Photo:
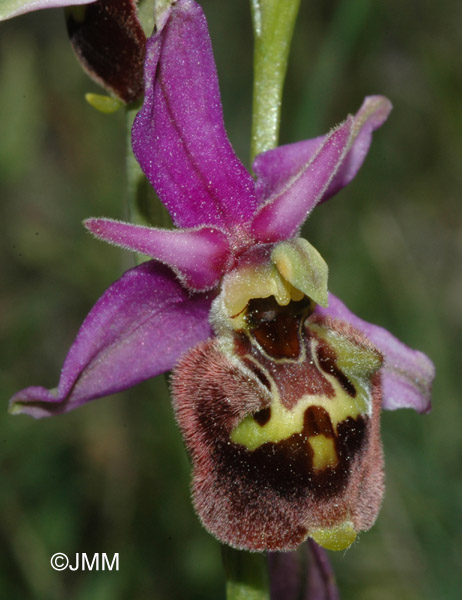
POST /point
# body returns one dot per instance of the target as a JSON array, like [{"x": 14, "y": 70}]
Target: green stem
[
  {"x": 273, "y": 24},
  {"x": 246, "y": 575}
]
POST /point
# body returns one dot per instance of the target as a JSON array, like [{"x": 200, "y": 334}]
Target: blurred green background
[{"x": 113, "y": 476}]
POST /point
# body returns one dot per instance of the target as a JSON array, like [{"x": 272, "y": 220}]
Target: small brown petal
[{"x": 110, "y": 44}]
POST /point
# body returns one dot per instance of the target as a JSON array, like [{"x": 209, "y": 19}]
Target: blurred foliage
[{"x": 113, "y": 477}]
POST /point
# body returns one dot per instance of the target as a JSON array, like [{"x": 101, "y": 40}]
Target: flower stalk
[
  {"x": 273, "y": 24},
  {"x": 246, "y": 575}
]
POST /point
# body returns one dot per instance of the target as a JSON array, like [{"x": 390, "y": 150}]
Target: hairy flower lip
[{"x": 267, "y": 492}]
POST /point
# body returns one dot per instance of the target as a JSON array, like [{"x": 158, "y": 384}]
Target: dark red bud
[{"x": 110, "y": 43}]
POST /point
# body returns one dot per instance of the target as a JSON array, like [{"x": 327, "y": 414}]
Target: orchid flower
[{"x": 277, "y": 386}]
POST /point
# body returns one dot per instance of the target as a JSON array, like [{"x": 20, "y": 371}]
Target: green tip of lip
[{"x": 339, "y": 537}]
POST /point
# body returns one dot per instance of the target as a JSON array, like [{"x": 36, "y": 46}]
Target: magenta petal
[
  {"x": 139, "y": 328},
  {"x": 304, "y": 574},
  {"x": 179, "y": 137},
  {"x": 372, "y": 115},
  {"x": 283, "y": 214},
  {"x": 407, "y": 374},
  {"x": 198, "y": 256},
  {"x": 275, "y": 168}
]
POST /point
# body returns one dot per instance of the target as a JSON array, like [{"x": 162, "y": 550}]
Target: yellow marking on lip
[{"x": 324, "y": 453}]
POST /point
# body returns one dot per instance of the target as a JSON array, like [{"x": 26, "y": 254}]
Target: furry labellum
[{"x": 281, "y": 417}]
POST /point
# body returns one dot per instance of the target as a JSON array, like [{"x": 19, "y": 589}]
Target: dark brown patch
[
  {"x": 257, "y": 372},
  {"x": 263, "y": 416},
  {"x": 327, "y": 362},
  {"x": 277, "y": 328},
  {"x": 317, "y": 421},
  {"x": 351, "y": 433}
]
